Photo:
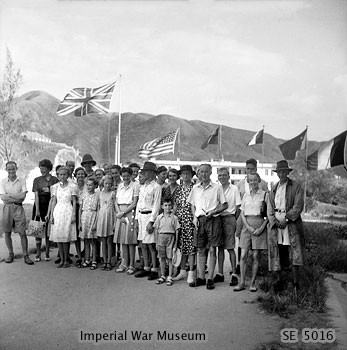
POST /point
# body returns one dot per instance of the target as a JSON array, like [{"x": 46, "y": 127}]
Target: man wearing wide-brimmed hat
[
  {"x": 147, "y": 211},
  {"x": 88, "y": 162},
  {"x": 285, "y": 238}
]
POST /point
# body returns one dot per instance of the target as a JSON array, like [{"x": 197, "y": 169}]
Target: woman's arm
[{"x": 37, "y": 201}]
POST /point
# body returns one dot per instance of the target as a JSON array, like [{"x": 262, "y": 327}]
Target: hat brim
[
  {"x": 276, "y": 170},
  {"x": 176, "y": 259},
  {"x": 89, "y": 161}
]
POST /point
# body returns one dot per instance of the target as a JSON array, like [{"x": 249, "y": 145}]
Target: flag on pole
[
  {"x": 330, "y": 154},
  {"x": 257, "y": 138},
  {"x": 212, "y": 139},
  {"x": 82, "y": 101},
  {"x": 290, "y": 147},
  {"x": 156, "y": 147}
]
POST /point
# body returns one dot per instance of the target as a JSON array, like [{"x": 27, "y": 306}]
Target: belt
[
  {"x": 280, "y": 211},
  {"x": 167, "y": 233},
  {"x": 19, "y": 204},
  {"x": 145, "y": 211}
]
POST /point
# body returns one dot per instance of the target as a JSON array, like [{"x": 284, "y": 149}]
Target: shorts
[
  {"x": 13, "y": 218},
  {"x": 228, "y": 229},
  {"x": 165, "y": 245},
  {"x": 143, "y": 235},
  {"x": 209, "y": 232},
  {"x": 250, "y": 241}
]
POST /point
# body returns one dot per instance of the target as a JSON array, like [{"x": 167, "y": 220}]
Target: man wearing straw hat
[{"x": 285, "y": 238}]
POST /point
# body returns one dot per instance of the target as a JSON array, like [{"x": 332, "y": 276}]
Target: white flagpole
[
  {"x": 220, "y": 143},
  {"x": 262, "y": 149},
  {"x": 179, "y": 145},
  {"x": 118, "y": 160},
  {"x": 306, "y": 151}
]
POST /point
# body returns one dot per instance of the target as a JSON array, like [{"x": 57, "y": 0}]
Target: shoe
[
  {"x": 153, "y": 275},
  {"x": 238, "y": 269},
  {"x": 253, "y": 289},
  {"x": 234, "y": 281},
  {"x": 181, "y": 276},
  {"x": 169, "y": 281},
  {"x": 210, "y": 285},
  {"x": 190, "y": 278},
  {"x": 143, "y": 273},
  {"x": 131, "y": 270},
  {"x": 47, "y": 258},
  {"x": 218, "y": 278},
  {"x": 58, "y": 261},
  {"x": 66, "y": 265},
  {"x": 199, "y": 282},
  {"x": 78, "y": 263},
  {"x": 10, "y": 258},
  {"x": 239, "y": 288},
  {"x": 69, "y": 260},
  {"x": 61, "y": 264},
  {"x": 86, "y": 264},
  {"x": 37, "y": 258},
  {"x": 122, "y": 268},
  {"x": 161, "y": 280},
  {"x": 27, "y": 260},
  {"x": 94, "y": 265}
]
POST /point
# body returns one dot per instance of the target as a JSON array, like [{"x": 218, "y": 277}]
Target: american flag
[
  {"x": 165, "y": 144},
  {"x": 83, "y": 101}
]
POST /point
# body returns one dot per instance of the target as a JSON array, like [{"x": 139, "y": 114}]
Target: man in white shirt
[{"x": 12, "y": 193}]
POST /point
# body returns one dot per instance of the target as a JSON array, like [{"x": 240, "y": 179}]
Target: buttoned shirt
[
  {"x": 149, "y": 199},
  {"x": 12, "y": 187},
  {"x": 126, "y": 193},
  {"x": 280, "y": 197},
  {"x": 232, "y": 196},
  {"x": 207, "y": 198},
  {"x": 167, "y": 224},
  {"x": 243, "y": 186},
  {"x": 252, "y": 205}
]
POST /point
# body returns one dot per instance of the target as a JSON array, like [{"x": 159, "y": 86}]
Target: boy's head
[
  {"x": 167, "y": 205},
  {"x": 92, "y": 184}
]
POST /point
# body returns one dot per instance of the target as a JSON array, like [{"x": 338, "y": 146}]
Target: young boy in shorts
[{"x": 166, "y": 228}]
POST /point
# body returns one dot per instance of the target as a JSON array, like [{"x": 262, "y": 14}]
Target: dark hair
[
  {"x": 57, "y": 168},
  {"x": 78, "y": 169},
  {"x": 116, "y": 166},
  {"x": 99, "y": 169},
  {"x": 46, "y": 163},
  {"x": 161, "y": 169},
  {"x": 134, "y": 165},
  {"x": 252, "y": 161},
  {"x": 175, "y": 171},
  {"x": 127, "y": 170},
  {"x": 95, "y": 181},
  {"x": 11, "y": 162},
  {"x": 166, "y": 199}
]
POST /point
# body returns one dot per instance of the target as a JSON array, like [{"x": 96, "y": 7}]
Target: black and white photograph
[{"x": 173, "y": 174}]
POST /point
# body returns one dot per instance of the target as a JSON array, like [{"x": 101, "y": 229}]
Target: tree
[{"x": 10, "y": 125}]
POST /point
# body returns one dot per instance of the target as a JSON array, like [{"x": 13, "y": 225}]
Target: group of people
[{"x": 159, "y": 212}]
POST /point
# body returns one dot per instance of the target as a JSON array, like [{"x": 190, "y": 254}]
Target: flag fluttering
[
  {"x": 82, "y": 101},
  {"x": 212, "y": 139},
  {"x": 257, "y": 138},
  {"x": 290, "y": 147},
  {"x": 330, "y": 154},
  {"x": 156, "y": 147}
]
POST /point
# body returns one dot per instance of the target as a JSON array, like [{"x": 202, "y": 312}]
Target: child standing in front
[
  {"x": 89, "y": 204},
  {"x": 166, "y": 228},
  {"x": 106, "y": 219}
]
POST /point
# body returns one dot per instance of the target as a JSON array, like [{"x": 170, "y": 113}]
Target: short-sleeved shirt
[
  {"x": 232, "y": 196},
  {"x": 12, "y": 187},
  {"x": 206, "y": 198},
  {"x": 252, "y": 205},
  {"x": 166, "y": 224},
  {"x": 43, "y": 186},
  {"x": 149, "y": 199},
  {"x": 125, "y": 193},
  {"x": 243, "y": 186},
  {"x": 280, "y": 197}
]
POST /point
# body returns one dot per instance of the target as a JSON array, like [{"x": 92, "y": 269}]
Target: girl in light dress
[
  {"x": 63, "y": 215},
  {"x": 105, "y": 223},
  {"x": 125, "y": 234},
  {"x": 89, "y": 204}
]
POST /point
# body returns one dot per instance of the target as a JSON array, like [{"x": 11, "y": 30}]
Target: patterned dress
[
  {"x": 89, "y": 204},
  {"x": 106, "y": 215},
  {"x": 62, "y": 230},
  {"x": 185, "y": 218}
]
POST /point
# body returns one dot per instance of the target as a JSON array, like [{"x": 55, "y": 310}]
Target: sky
[{"x": 244, "y": 64}]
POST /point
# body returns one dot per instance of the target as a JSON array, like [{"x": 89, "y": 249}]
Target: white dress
[{"x": 63, "y": 230}]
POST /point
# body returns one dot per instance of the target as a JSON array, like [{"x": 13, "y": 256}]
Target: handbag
[
  {"x": 263, "y": 209},
  {"x": 36, "y": 229}
]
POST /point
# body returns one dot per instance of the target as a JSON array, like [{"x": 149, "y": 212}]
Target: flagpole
[
  {"x": 179, "y": 145},
  {"x": 306, "y": 152},
  {"x": 220, "y": 142},
  {"x": 118, "y": 160},
  {"x": 262, "y": 149}
]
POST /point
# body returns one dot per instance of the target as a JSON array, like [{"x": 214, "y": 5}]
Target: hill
[{"x": 91, "y": 134}]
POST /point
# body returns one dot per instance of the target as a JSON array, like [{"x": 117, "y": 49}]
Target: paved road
[{"x": 43, "y": 307}]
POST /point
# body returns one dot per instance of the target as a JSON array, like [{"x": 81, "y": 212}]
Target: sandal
[
  {"x": 86, "y": 264},
  {"x": 78, "y": 263},
  {"x": 94, "y": 265},
  {"x": 131, "y": 270},
  {"x": 161, "y": 280},
  {"x": 108, "y": 267},
  {"x": 122, "y": 268},
  {"x": 169, "y": 281},
  {"x": 37, "y": 258},
  {"x": 253, "y": 289},
  {"x": 104, "y": 267},
  {"x": 239, "y": 288}
]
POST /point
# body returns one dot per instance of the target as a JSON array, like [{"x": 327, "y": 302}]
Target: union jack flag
[
  {"x": 83, "y": 101},
  {"x": 165, "y": 144}
]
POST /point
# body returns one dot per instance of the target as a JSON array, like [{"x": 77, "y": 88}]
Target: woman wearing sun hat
[
  {"x": 185, "y": 218},
  {"x": 87, "y": 163}
]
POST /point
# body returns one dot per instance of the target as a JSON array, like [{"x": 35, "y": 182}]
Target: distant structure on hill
[{"x": 35, "y": 136}]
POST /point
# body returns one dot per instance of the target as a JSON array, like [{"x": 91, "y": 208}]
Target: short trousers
[
  {"x": 209, "y": 232},
  {"x": 250, "y": 241},
  {"x": 165, "y": 245},
  {"x": 143, "y": 235},
  {"x": 13, "y": 218},
  {"x": 228, "y": 229}
]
